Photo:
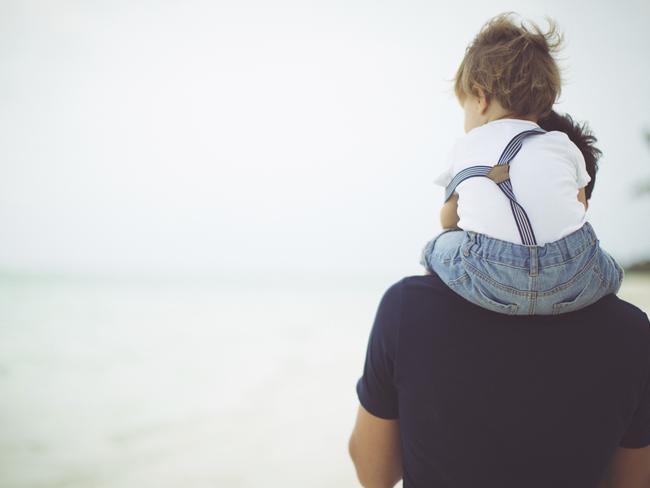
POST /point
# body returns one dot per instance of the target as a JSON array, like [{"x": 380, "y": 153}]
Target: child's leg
[
  {"x": 448, "y": 256},
  {"x": 509, "y": 278},
  {"x": 613, "y": 272},
  {"x": 443, "y": 248},
  {"x": 600, "y": 277},
  {"x": 584, "y": 274}
]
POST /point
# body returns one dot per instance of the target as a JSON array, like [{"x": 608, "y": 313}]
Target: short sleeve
[
  {"x": 582, "y": 177},
  {"x": 445, "y": 177},
  {"x": 638, "y": 432},
  {"x": 376, "y": 388}
]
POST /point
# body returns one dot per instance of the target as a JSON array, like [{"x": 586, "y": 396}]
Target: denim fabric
[{"x": 515, "y": 279}]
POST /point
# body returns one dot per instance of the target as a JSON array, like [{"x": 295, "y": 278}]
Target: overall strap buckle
[{"x": 499, "y": 173}]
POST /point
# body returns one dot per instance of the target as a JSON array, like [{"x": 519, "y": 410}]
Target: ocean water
[
  {"x": 132, "y": 384},
  {"x": 114, "y": 383}
]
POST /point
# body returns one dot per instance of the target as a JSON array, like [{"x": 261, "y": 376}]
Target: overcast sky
[{"x": 275, "y": 135}]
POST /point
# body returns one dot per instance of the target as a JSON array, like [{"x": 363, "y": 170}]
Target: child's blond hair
[{"x": 514, "y": 65}]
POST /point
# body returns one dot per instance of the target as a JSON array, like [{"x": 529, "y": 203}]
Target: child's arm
[
  {"x": 582, "y": 196},
  {"x": 449, "y": 213}
]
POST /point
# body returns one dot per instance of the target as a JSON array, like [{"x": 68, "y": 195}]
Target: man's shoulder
[
  {"x": 422, "y": 288},
  {"x": 429, "y": 291},
  {"x": 426, "y": 290},
  {"x": 616, "y": 303},
  {"x": 611, "y": 306},
  {"x": 428, "y": 284}
]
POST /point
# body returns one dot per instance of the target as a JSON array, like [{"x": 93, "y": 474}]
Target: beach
[{"x": 130, "y": 384}]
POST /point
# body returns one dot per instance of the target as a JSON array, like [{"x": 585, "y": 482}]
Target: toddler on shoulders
[{"x": 516, "y": 236}]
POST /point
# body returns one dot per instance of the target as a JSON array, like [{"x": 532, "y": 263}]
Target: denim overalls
[{"x": 521, "y": 279}]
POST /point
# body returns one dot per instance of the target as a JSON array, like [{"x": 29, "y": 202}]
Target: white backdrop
[{"x": 284, "y": 137}]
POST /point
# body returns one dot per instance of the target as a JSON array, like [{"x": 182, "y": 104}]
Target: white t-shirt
[{"x": 546, "y": 175}]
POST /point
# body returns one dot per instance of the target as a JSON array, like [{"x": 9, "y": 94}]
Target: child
[{"x": 516, "y": 239}]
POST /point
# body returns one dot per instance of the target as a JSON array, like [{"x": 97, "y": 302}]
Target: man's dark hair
[{"x": 581, "y": 136}]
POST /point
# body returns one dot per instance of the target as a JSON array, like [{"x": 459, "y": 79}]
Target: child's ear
[{"x": 483, "y": 101}]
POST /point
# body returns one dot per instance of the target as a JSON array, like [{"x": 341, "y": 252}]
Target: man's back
[{"x": 486, "y": 400}]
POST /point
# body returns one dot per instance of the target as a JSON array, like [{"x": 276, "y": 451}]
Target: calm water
[
  {"x": 137, "y": 384},
  {"x": 118, "y": 384}
]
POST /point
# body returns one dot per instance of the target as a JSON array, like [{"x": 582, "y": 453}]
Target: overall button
[{"x": 467, "y": 246}]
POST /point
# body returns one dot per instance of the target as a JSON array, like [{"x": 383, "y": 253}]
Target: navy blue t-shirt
[{"x": 491, "y": 400}]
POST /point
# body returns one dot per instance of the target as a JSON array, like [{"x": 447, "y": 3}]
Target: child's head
[{"x": 510, "y": 67}]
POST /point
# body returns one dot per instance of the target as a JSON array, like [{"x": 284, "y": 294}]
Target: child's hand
[
  {"x": 449, "y": 213},
  {"x": 582, "y": 197}
]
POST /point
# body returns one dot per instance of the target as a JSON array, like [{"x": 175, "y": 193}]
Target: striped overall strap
[{"x": 499, "y": 174}]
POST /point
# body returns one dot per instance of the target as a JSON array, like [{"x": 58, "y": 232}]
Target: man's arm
[
  {"x": 629, "y": 468},
  {"x": 374, "y": 445},
  {"x": 375, "y": 450}
]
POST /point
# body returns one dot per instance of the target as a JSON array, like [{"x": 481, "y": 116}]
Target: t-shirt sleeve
[
  {"x": 638, "y": 432},
  {"x": 582, "y": 177},
  {"x": 445, "y": 177},
  {"x": 376, "y": 388}
]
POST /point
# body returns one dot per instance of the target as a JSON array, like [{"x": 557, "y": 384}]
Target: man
[{"x": 456, "y": 396}]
